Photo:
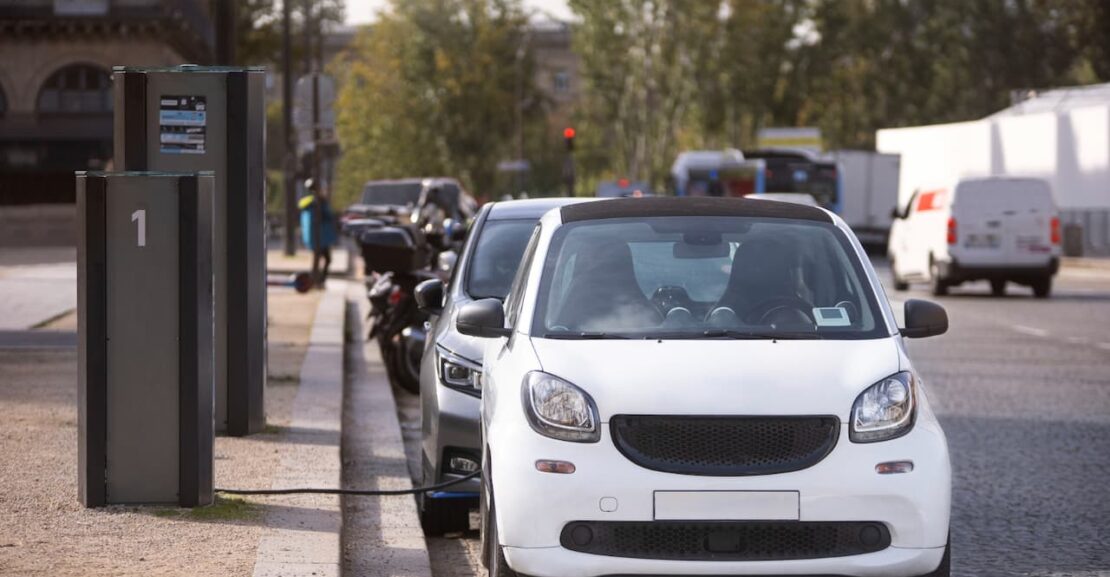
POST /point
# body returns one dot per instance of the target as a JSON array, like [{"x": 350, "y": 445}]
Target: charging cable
[{"x": 360, "y": 492}]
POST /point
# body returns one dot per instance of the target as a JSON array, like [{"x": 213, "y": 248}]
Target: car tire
[
  {"x": 495, "y": 562},
  {"x": 899, "y": 284},
  {"x": 441, "y": 516},
  {"x": 940, "y": 285},
  {"x": 400, "y": 370},
  {"x": 1042, "y": 287},
  {"x": 998, "y": 288},
  {"x": 945, "y": 567}
]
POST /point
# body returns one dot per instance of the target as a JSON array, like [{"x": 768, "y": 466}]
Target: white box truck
[{"x": 869, "y": 192}]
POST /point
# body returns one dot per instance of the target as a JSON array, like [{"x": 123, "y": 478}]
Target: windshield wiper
[
  {"x": 756, "y": 335},
  {"x": 583, "y": 335}
]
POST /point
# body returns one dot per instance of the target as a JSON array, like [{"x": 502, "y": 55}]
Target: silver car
[{"x": 450, "y": 389}]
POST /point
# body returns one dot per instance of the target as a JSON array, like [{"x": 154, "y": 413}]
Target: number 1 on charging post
[{"x": 139, "y": 217}]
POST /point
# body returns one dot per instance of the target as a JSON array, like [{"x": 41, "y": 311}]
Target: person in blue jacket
[{"x": 318, "y": 229}]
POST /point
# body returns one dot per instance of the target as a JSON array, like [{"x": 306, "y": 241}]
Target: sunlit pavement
[{"x": 1022, "y": 387}]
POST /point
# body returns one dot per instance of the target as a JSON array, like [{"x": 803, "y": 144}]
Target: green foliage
[
  {"x": 432, "y": 89},
  {"x": 258, "y": 27},
  {"x": 662, "y": 76},
  {"x": 229, "y": 508}
]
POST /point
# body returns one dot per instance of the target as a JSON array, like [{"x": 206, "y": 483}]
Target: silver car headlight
[
  {"x": 560, "y": 410},
  {"x": 459, "y": 373},
  {"x": 884, "y": 410}
]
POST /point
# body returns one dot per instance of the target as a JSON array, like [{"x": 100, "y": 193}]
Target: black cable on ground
[{"x": 359, "y": 492}]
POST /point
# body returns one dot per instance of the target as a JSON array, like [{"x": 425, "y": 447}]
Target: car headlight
[
  {"x": 458, "y": 373},
  {"x": 885, "y": 410},
  {"x": 560, "y": 410}
]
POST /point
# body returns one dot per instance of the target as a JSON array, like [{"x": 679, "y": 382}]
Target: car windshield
[
  {"x": 704, "y": 277},
  {"x": 497, "y": 255},
  {"x": 392, "y": 193}
]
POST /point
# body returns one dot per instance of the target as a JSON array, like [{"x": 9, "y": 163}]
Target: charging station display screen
[{"x": 182, "y": 124}]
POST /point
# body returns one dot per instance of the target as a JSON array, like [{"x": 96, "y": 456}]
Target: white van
[{"x": 998, "y": 229}]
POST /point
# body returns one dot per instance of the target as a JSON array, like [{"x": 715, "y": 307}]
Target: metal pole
[
  {"x": 316, "y": 130},
  {"x": 225, "y": 32},
  {"x": 289, "y": 159},
  {"x": 307, "y": 36}
]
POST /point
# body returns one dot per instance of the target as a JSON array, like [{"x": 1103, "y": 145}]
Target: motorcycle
[{"x": 397, "y": 324}]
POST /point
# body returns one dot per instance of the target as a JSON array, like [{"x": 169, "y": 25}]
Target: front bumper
[
  {"x": 455, "y": 433},
  {"x": 533, "y": 507},
  {"x": 559, "y": 562}
]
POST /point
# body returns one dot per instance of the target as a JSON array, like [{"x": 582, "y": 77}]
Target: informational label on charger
[{"x": 182, "y": 124}]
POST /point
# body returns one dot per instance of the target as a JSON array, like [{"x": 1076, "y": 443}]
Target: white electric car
[{"x": 705, "y": 387}]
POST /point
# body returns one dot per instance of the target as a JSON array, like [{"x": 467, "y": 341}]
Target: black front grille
[
  {"x": 724, "y": 446},
  {"x": 725, "y": 540}
]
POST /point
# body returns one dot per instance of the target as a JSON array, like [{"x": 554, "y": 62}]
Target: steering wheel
[
  {"x": 761, "y": 313},
  {"x": 668, "y": 297}
]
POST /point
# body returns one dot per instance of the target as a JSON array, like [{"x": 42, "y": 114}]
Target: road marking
[
  {"x": 1032, "y": 331},
  {"x": 1104, "y": 346}
]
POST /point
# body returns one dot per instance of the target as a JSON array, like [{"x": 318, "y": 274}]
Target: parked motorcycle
[
  {"x": 397, "y": 324},
  {"x": 400, "y": 252}
]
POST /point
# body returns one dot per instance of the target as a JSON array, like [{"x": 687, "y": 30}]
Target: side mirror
[
  {"x": 483, "y": 318},
  {"x": 429, "y": 296},
  {"x": 896, "y": 213},
  {"x": 924, "y": 319}
]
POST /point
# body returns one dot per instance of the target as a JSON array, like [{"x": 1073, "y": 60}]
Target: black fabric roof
[{"x": 689, "y": 206}]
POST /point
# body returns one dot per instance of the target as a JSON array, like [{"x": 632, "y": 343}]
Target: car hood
[{"x": 721, "y": 377}]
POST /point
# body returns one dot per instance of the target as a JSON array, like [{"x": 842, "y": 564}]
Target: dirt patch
[{"x": 44, "y": 530}]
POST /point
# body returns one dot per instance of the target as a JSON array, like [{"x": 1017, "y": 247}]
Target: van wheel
[
  {"x": 1042, "y": 287},
  {"x": 899, "y": 284},
  {"x": 998, "y": 288},
  {"x": 940, "y": 285}
]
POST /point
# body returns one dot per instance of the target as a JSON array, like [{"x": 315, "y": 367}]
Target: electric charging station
[
  {"x": 145, "y": 338},
  {"x": 193, "y": 118}
]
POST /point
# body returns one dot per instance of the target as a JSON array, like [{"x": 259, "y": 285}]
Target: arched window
[{"x": 77, "y": 89}]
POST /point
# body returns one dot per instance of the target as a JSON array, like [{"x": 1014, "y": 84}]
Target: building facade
[{"x": 56, "y": 58}]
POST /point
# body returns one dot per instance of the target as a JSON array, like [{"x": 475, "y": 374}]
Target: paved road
[
  {"x": 36, "y": 285},
  {"x": 1023, "y": 389}
]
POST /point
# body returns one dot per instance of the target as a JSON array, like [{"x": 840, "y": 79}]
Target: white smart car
[{"x": 705, "y": 386}]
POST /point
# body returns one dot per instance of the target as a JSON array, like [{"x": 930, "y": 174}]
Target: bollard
[{"x": 145, "y": 338}]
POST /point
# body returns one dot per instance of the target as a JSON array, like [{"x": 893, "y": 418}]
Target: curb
[
  {"x": 381, "y": 535},
  {"x": 302, "y": 534}
]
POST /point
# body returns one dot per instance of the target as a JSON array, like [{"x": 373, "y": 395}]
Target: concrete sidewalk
[{"x": 45, "y": 531}]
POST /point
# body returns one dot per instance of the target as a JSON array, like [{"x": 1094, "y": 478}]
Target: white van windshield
[{"x": 704, "y": 277}]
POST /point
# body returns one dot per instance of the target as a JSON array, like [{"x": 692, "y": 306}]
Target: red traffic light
[{"x": 568, "y": 133}]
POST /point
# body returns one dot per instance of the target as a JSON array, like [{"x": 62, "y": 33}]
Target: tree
[
  {"x": 258, "y": 27},
  {"x": 430, "y": 89},
  {"x": 641, "y": 65}
]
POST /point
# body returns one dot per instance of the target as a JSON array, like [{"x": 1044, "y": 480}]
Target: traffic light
[{"x": 568, "y": 137}]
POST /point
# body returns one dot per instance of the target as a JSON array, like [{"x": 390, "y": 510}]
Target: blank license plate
[
  {"x": 981, "y": 241},
  {"x": 727, "y": 505}
]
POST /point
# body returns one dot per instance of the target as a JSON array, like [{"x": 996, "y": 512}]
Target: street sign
[
  {"x": 313, "y": 109},
  {"x": 519, "y": 165}
]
